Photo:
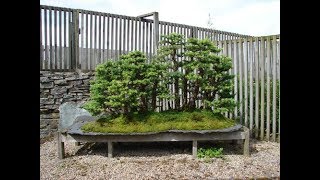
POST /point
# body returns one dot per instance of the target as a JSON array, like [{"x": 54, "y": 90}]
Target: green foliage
[
  {"x": 160, "y": 121},
  {"x": 210, "y": 153},
  {"x": 134, "y": 84}
]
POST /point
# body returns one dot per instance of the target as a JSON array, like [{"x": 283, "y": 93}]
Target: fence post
[
  {"x": 155, "y": 32},
  {"x": 74, "y": 40}
]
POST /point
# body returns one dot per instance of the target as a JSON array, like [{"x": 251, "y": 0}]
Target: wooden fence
[{"x": 79, "y": 39}]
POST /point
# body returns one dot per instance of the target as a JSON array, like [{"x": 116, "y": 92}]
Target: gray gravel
[{"x": 165, "y": 160}]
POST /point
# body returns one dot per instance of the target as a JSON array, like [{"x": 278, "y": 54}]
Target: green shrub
[{"x": 210, "y": 153}]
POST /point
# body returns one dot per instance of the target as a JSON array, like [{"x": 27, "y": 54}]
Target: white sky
[{"x": 250, "y": 17}]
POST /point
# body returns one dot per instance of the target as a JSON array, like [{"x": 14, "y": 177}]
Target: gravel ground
[{"x": 158, "y": 160}]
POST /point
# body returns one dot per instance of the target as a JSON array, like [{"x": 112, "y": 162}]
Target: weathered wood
[
  {"x": 155, "y": 32},
  {"x": 132, "y": 29},
  {"x": 262, "y": 62},
  {"x": 95, "y": 59},
  {"x": 99, "y": 54},
  {"x": 235, "y": 67},
  {"x": 194, "y": 148},
  {"x": 60, "y": 40},
  {"x": 245, "y": 68},
  {"x": 75, "y": 46},
  {"x": 112, "y": 38},
  {"x": 55, "y": 40},
  {"x": 240, "y": 80},
  {"x": 147, "y": 38},
  {"x": 128, "y": 34},
  {"x": 108, "y": 37},
  {"x": 41, "y": 49},
  {"x": 120, "y": 38},
  {"x": 143, "y": 37},
  {"x": 103, "y": 38},
  {"x": 274, "y": 87},
  {"x": 61, "y": 151},
  {"x": 256, "y": 51},
  {"x": 246, "y": 144},
  {"x": 46, "y": 56},
  {"x": 146, "y": 15},
  {"x": 268, "y": 90},
  {"x": 278, "y": 57},
  {"x": 50, "y": 40},
  {"x": 251, "y": 84},
  {"x": 110, "y": 149},
  {"x": 116, "y": 48}
]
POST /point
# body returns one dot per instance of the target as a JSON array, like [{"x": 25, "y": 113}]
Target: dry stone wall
[{"x": 57, "y": 88}]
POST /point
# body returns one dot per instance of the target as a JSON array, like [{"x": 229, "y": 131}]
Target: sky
[{"x": 249, "y": 17}]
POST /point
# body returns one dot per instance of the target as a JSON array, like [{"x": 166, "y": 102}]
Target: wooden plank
[
  {"x": 155, "y": 32},
  {"x": 274, "y": 87},
  {"x": 143, "y": 38},
  {"x": 95, "y": 59},
  {"x": 240, "y": 80},
  {"x": 120, "y": 38},
  {"x": 75, "y": 46},
  {"x": 91, "y": 62},
  {"x": 262, "y": 62},
  {"x": 194, "y": 148},
  {"x": 60, "y": 41},
  {"x": 256, "y": 56},
  {"x": 112, "y": 38},
  {"x": 268, "y": 89},
  {"x": 245, "y": 68},
  {"x": 137, "y": 40},
  {"x": 110, "y": 149},
  {"x": 230, "y": 70},
  {"x": 235, "y": 67},
  {"x": 82, "y": 59},
  {"x": 251, "y": 84},
  {"x": 132, "y": 29},
  {"x": 50, "y": 39},
  {"x": 124, "y": 36},
  {"x": 70, "y": 34},
  {"x": 55, "y": 40},
  {"x": 103, "y": 38},
  {"x": 61, "y": 151},
  {"x": 147, "y": 38},
  {"x": 246, "y": 145},
  {"x": 65, "y": 58},
  {"x": 99, "y": 30},
  {"x": 41, "y": 49},
  {"x": 116, "y": 39},
  {"x": 87, "y": 67},
  {"x": 150, "y": 42},
  {"x": 108, "y": 39},
  {"x": 46, "y": 56},
  {"x": 128, "y": 34}
]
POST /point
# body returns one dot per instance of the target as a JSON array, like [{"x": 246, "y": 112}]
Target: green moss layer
[{"x": 160, "y": 121}]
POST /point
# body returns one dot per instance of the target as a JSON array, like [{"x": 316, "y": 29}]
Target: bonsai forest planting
[{"x": 187, "y": 76}]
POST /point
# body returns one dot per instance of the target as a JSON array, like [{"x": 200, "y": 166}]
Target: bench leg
[
  {"x": 61, "y": 153},
  {"x": 194, "y": 148},
  {"x": 110, "y": 149},
  {"x": 246, "y": 145}
]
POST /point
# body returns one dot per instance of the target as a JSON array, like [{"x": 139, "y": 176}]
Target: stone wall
[{"x": 57, "y": 88}]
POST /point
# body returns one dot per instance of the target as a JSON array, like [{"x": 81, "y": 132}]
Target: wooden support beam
[
  {"x": 146, "y": 15},
  {"x": 110, "y": 149},
  {"x": 194, "y": 148},
  {"x": 61, "y": 152}
]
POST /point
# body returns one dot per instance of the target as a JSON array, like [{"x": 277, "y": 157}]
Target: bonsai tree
[
  {"x": 125, "y": 86},
  {"x": 169, "y": 51}
]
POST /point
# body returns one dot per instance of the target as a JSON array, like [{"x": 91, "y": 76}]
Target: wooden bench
[{"x": 74, "y": 134}]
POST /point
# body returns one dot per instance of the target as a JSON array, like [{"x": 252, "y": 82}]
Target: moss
[{"x": 160, "y": 121}]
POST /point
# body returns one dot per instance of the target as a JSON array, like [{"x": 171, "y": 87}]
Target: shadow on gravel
[{"x": 158, "y": 149}]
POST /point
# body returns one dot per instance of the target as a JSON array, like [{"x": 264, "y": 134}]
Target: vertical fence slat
[
  {"x": 235, "y": 67},
  {"x": 150, "y": 42},
  {"x": 240, "y": 80},
  {"x": 81, "y": 51},
  {"x": 65, "y": 58},
  {"x": 112, "y": 38},
  {"x": 120, "y": 38},
  {"x": 99, "y": 58},
  {"x": 95, "y": 60},
  {"x": 87, "y": 45},
  {"x": 116, "y": 38},
  {"x": 245, "y": 67},
  {"x": 128, "y": 33},
  {"x": 251, "y": 83},
  {"x": 132, "y": 28},
  {"x": 60, "y": 40},
  {"x": 108, "y": 40},
  {"x": 268, "y": 89},
  {"x": 262, "y": 62},
  {"x": 147, "y": 38},
  {"x": 256, "y": 51},
  {"x": 55, "y": 40},
  {"x": 50, "y": 39},
  {"x": 103, "y": 38},
  {"x": 274, "y": 86},
  {"x": 41, "y": 49},
  {"x": 91, "y": 62},
  {"x": 46, "y": 56}
]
